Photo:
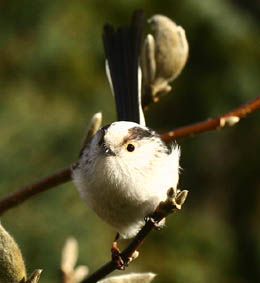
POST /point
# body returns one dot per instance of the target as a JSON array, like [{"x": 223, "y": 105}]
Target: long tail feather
[{"x": 122, "y": 50}]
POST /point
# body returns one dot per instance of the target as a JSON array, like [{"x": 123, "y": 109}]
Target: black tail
[{"x": 122, "y": 51}]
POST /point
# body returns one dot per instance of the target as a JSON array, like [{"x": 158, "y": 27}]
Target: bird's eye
[{"x": 130, "y": 147}]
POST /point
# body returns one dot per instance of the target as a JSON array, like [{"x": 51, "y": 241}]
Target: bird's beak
[{"x": 107, "y": 150}]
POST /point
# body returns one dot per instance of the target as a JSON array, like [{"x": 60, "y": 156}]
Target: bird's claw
[{"x": 116, "y": 257}]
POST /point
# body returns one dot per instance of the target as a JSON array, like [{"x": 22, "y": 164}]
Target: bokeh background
[{"x": 52, "y": 81}]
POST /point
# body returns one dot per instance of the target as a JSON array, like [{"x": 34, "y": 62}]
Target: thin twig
[
  {"x": 165, "y": 208},
  {"x": 39, "y": 186},
  {"x": 214, "y": 123},
  {"x": 64, "y": 175}
]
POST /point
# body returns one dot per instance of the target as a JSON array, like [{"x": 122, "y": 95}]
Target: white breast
[{"x": 123, "y": 195}]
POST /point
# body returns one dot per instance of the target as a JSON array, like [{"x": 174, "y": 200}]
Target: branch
[
  {"x": 39, "y": 186},
  {"x": 227, "y": 119},
  {"x": 64, "y": 175},
  {"x": 172, "y": 203},
  {"x": 53, "y": 180}
]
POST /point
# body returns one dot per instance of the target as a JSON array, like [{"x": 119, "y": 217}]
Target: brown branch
[
  {"x": 30, "y": 190},
  {"x": 214, "y": 123},
  {"x": 172, "y": 203},
  {"x": 64, "y": 175}
]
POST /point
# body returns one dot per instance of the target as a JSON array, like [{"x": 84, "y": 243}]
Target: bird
[{"x": 126, "y": 169}]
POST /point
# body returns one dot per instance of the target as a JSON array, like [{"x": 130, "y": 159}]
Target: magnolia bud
[
  {"x": 164, "y": 55},
  {"x": 130, "y": 278},
  {"x": 171, "y": 47},
  {"x": 12, "y": 268},
  {"x": 94, "y": 126}
]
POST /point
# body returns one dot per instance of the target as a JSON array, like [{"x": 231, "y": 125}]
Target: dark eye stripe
[{"x": 137, "y": 133}]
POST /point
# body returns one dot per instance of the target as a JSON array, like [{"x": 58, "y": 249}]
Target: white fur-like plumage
[{"x": 125, "y": 187}]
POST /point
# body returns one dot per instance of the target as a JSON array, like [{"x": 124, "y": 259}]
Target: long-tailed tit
[{"x": 125, "y": 169}]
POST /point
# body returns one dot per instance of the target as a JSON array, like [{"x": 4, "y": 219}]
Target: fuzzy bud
[
  {"x": 164, "y": 55},
  {"x": 130, "y": 278},
  {"x": 171, "y": 47},
  {"x": 12, "y": 268}
]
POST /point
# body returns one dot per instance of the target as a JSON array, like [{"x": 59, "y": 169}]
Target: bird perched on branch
[{"x": 125, "y": 169}]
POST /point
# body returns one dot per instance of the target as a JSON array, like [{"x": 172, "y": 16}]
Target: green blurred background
[{"x": 52, "y": 81}]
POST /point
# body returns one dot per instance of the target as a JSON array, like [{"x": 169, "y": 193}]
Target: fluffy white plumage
[{"x": 121, "y": 184}]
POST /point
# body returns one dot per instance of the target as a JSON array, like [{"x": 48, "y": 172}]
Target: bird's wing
[{"x": 122, "y": 50}]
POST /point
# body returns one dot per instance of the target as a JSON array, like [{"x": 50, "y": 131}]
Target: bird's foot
[
  {"x": 119, "y": 262},
  {"x": 116, "y": 257}
]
